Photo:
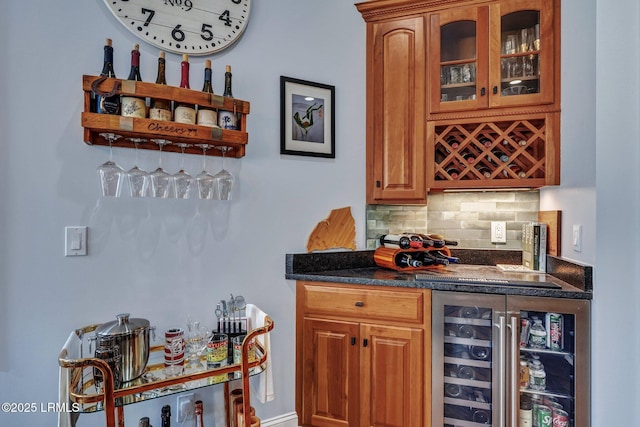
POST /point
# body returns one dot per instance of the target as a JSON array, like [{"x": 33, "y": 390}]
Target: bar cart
[{"x": 77, "y": 377}]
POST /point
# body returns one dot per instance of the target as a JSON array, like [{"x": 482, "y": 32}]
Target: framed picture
[{"x": 307, "y": 118}]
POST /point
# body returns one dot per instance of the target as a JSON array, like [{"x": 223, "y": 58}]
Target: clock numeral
[
  {"x": 186, "y": 5},
  {"x": 150, "y": 17},
  {"x": 225, "y": 17},
  {"x": 206, "y": 35},
  {"x": 178, "y": 34}
]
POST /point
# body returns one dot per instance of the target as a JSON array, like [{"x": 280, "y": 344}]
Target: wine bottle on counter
[
  {"x": 440, "y": 241},
  {"x": 449, "y": 259},
  {"x": 185, "y": 112},
  {"x": 404, "y": 259},
  {"x": 198, "y": 414},
  {"x": 134, "y": 106},
  {"x": 165, "y": 416},
  {"x": 144, "y": 422},
  {"x": 160, "y": 108},
  {"x": 399, "y": 241},
  {"x": 427, "y": 259},
  {"x": 107, "y": 103},
  {"x": 228, "y": 119},
  {"x": 207, "y": 116}
]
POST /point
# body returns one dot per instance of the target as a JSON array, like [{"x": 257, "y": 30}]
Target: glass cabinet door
[
  {"x": 459, "y": 75},
  {"x": 522, "y": 65}
]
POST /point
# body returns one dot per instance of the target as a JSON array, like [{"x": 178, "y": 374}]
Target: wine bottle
[
  {"x": 198, "y": 414},
  {"x": 227, "y": 82},
  {"x": 441, "y": 241},
  {"x": 399, "y": 241},
  {"x": 228, "y": 119},
  {"x": 427, "y": 259},
  {"x": 107, "y": 103},
  {"x": 144, "y": 422},
  {"x": 134, "y": 106},
  {"x": 165, "y": 416},
  {"x": 185, "y": 112},
  {"x": 404, "y": 259},
  {"x": 207, "y": 115},
  {"x": 504, "y": 158},
  {"x": 160, "y": 108},
  {"x": 449, "y": 259}
]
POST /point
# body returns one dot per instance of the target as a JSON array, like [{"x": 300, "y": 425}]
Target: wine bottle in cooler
[
  {"x": 228, "y": 119},
  {"x": 184, "y": 111},
  {"x": 107, "y": 103},
  {"x": 134, "y": 106},
  {"x": 207, "y": 115},
  {"x": 160, "y": 109}
]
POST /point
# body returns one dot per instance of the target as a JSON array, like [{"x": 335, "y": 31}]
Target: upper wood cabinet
[
  {"x": 461, "y": 94},
  {"x": 396, "y": 111},
  {"x": 500, "y": 54}
]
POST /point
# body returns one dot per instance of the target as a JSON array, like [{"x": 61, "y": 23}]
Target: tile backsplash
[{"x": 462, "y": 216}]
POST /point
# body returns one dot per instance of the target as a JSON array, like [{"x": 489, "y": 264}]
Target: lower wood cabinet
[{"x": 363, "y": 355}]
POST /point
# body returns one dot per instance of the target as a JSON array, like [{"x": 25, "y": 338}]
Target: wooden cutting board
[
  {"x": 338, "y": 230},
  {"x": 553, "y": 219}
]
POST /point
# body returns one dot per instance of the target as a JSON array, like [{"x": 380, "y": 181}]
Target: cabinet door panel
[
  {"x": 392, "y": 376},
  {"x": 330, "y": 363},
  {"x": 396, "y": 111}
]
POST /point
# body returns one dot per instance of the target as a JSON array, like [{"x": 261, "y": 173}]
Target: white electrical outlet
[
  {"x": 185, "y": 406},
  {"x": 498, "y": 232}
]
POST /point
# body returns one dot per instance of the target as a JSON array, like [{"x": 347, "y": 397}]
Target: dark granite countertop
[{"x": 478, "y": 273}]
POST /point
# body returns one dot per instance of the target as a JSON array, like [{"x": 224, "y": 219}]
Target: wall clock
[{"x": 194, "y": 27}]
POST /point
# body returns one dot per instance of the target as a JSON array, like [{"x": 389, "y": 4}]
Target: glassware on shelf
[
  {"x": 160, "y": 180},
  {"x": 109, "y": 172},
  {"x": 197, "y": 338},
  {"x": 205, "y": 179},
  {"x": 183, "y": 182},
  {"x": 138, "y": 178},
  {"x": 223, "y": 180}
]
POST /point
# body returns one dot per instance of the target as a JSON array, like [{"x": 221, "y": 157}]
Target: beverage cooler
[{"x": 510, "y": 361}]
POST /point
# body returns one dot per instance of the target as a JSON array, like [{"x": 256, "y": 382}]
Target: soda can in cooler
[
  {"x": 545, "y": 416},
  {"x": 555, "y": 331},
  {"x": 560, "y": 418}
]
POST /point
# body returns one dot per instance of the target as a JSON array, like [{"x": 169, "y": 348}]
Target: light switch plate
[{"x": 75, "y": 241}]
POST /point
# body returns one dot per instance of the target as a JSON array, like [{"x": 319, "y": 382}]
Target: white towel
[
  {"x": 68, "y": 418},
  {"x": 262, "y": 385}
]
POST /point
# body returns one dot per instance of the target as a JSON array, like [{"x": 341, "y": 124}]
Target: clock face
[{"x": 194, "y": 27}]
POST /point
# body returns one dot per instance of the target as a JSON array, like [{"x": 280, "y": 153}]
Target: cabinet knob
[
  {"x": 483, "y": 91},
  {"x": 365, "y": 342},
  {"x": 495, "y": 90},
  {"x": 359, "y": 304},
  {"x": 353, "y": 340},
  {"x": 378, "y": 184}
]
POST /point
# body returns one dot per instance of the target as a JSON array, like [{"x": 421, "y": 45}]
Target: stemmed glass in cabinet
[{"x": 109, "y": 172}]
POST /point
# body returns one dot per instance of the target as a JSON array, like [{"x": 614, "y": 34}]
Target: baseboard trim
[{"x": 285, "y": 420}]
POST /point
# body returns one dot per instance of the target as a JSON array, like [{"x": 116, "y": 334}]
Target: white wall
[
  {"x": 164, "y": 260},
  {"x": 160, "y": 260}
]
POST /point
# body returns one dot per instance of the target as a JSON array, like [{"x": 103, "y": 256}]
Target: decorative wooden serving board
[{"x": 336, "y": 231}]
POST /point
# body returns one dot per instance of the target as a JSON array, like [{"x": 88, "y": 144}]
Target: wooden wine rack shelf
[
  {"x": 510, "y": 152},
  {"x": 128, "y": 127}
]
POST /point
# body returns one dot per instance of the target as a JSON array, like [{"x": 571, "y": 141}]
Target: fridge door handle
[
  {"x": 514, "y": 362},
  {"x": 502, "y": 371}
]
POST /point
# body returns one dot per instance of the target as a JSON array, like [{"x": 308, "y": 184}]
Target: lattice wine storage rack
[{"x": 514, "y": 152}]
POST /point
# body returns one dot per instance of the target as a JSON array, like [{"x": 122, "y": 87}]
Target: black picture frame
[{"x": 307, "y": 118}]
